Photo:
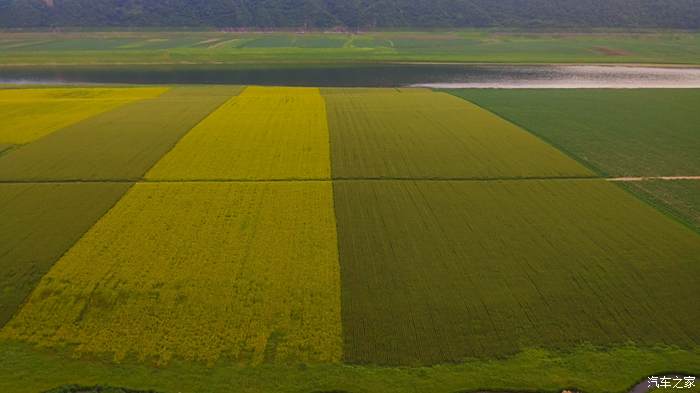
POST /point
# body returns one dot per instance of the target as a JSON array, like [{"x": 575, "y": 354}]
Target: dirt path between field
[{"x": 626, "y": 179}]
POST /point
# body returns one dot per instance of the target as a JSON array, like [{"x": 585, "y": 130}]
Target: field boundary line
[{"x": 354, "y": 179}]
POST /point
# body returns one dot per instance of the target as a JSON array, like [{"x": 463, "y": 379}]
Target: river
[{"x": 366, "y": 75}]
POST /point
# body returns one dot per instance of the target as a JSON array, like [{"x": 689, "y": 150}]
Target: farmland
[
  {"x": 405, "y": 262},
  {"x": 235, "y": 48},
  {"x": 642, "y": 132},
  {"x": 409, "y": 134},
  {"x": 45, "y": 110},
  {"x": 120, "y": 144},
  {"x": 39, "y": 223},
  {"x": 635, "y": 133},
  {"x": 263, "y": 133},
  {"x": 242, "y": 299},
  {"x": 680, "y": 198},
  {"x": 298, "y": 240}
]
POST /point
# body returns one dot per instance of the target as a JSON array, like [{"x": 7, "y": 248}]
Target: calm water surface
[{"x": 383, "y": 75}]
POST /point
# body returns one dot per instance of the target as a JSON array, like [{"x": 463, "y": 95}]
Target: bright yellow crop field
[
  {"x": 29, "y": 114},
  {"x": 198, "y": 271},
  {"x": 263, "y": 133}
]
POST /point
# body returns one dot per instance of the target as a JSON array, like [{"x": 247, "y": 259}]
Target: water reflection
[{"x": 378, "y": 75}]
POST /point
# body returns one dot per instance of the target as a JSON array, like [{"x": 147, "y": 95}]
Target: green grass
[
  {"x": 643, "y": 132},
  {"x": 39, "y": 223},
  {"x": 679, "y": 198},
  {"x": 588, "y": 369},
  {"x": 440, "y": 271},
  {"x": 416, "y": 133},
  {"x": 445, "y": 46},
  {"x": 120, "y": 144}
]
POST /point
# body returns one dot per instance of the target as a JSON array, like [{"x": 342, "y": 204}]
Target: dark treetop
[{"x": 351, "y": 14}]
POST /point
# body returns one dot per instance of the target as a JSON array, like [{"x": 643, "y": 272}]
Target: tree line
[{"x": 350, "y": 14}]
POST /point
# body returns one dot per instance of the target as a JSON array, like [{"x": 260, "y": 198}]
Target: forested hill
[{"x": 351, "y": 14}]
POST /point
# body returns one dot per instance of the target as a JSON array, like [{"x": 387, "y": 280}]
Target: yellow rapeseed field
[
  {"x": 198, "y": 271},
  {"x": 263, "y": 133},
  {"x": 29, "y": 114}
]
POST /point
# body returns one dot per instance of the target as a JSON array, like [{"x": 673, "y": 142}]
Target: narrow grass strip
[{"x": 583, "y": 369}]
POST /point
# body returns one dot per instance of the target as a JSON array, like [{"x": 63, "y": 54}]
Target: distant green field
[{"x": 441, "y": 46}]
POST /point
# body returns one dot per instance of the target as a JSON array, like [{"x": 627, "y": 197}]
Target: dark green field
[
  {"x": 680, "y": 198},
  {"x": 542, "y": 267},
  {"x": 642, "y": 132},
  {"x": 617, "y": 133}
]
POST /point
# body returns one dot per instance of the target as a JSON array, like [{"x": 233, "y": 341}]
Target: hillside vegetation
[{"x": 351, "y": 14}]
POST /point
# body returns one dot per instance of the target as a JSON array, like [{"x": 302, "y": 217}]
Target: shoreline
[{"x": 358, "y": 63}]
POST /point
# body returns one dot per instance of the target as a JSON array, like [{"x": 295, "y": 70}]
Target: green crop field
[
  {"x": 439, "y": 271},
  {"x": 416, "y": 133},
  {"x": 678, "y": 197},
  {"x": 303, "y": 240},
  {"x": 492, "y": 46},
  {"x": 617, "y": 133},
  {"x": 641, "y": 132}
]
